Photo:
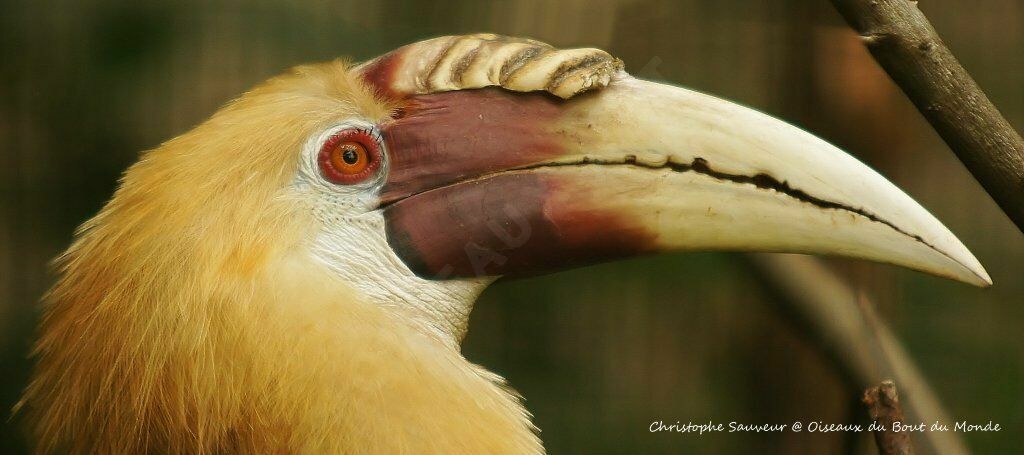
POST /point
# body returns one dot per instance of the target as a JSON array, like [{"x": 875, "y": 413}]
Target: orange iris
[{"x": 349, "y": 158}]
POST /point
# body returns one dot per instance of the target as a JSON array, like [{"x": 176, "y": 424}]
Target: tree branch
[
  {"x": 884, "y": 408},
  {"x": 845, "y": 326},
  {"x": 906, "y": 45}
]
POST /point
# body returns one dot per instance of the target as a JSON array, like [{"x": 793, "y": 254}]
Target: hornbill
[{"x": 295, "y": 274}]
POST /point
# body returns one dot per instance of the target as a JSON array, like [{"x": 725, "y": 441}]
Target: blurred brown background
[{"x": 601, "y": 352}]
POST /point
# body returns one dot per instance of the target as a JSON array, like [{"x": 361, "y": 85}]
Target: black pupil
[{"x": 349, "y": 155}]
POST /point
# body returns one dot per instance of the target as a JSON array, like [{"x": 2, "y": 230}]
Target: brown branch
[
  {"x": 884, "y": 408},
  {"x": 907, "y": 46},
  {"x": 844, "y": 325}
]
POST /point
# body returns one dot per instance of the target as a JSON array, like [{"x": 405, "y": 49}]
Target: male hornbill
[{"x": 295, "y": 274}]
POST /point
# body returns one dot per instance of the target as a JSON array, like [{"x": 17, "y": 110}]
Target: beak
[{"x": 490, "y": 182}]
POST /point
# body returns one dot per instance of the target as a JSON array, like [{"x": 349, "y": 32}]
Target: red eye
[{"x": 348, "y": 157}]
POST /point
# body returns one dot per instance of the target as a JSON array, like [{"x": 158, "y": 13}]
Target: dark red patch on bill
[
  {"x": 509, "y": 225},
  {"x": 380, "y": 73},
  {"x": 447, "y": 137}
]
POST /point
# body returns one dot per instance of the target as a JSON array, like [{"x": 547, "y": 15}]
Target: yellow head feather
[{"x": 189, "y": 318}]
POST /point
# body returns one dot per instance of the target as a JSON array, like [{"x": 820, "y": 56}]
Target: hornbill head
[
  {"x": 506, "y": 157},
  {"x": 297, "y": 271}
]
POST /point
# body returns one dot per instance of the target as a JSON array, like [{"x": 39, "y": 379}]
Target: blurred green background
[{"x": 599, "y": 353}]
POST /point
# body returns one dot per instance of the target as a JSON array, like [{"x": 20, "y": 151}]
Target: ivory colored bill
[
  {"x": 635, "y": 168},
  {"x": 630, "y": 167}
]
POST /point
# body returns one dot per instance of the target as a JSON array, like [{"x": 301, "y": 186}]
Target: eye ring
[{"x": 349, "y": 157}]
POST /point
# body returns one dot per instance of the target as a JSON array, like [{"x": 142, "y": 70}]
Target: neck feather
[{"x": 258, "y": 349}]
